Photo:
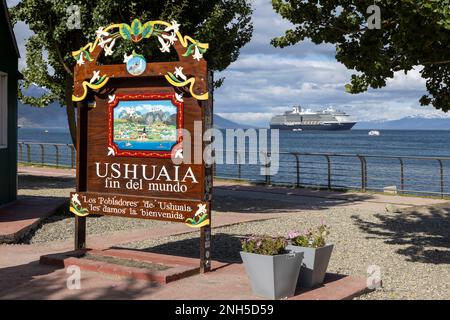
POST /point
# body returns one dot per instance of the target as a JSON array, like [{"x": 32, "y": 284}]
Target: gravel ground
[
  {"x": 61, "y": 227},
  {"x": 411, "y": 249},
  {"x": 45, "y": 186}
]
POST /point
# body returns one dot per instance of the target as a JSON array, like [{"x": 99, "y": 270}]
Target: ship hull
[{"x": 315, "y": 127}]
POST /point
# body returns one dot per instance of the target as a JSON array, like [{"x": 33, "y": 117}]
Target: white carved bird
[
  {"x": 100, "y": 33},
  {"x": 165, "y": 46},
  {"x": 80, "y": 61},
  {"x": 127, "y": 58},
  {"x": 179, "y": 154},
  {"x": 179, "y": 97},
  {"x": 95, "y": 77},
  {"x": 179, "y": 73},
  {"x": 197, "y": 55},
  {"x": 75, "y": 199},
  {"x": 104, "y": 42},
  {"x": 201, "y": 210},
  {"x": 175, "y": 27}
]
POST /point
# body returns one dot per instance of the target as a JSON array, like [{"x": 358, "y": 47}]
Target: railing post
[
  {"x": 20, "y": 152},
  {"x": 329, "y": 171},
  {"x": 72, "y": 155},
  {"x": 28, "y": 153},
  {"x": 402, "y": 175},
  {"x": 267, "y": 168},
  {"x": 366, "y": 174},
  {"x": 441, "y": 167},
  {"x": 363, "y": 173},
  {"x": 297, "y": 162},
  {"x": 57, "y": 155},
  {"x": 238, "y": 155},
  {"x": 42, "y": 153}
]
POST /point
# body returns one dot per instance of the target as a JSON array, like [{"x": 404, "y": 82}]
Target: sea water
[{"x": 346, "y": 171}]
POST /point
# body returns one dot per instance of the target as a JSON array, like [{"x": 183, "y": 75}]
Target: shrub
[
  {"x": 313, "y": 237},
  {"x": 264, "y": 245}
]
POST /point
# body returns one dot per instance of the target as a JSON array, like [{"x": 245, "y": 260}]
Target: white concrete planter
[
  {"x": 273, "y": 277},
  {"x": 314, "y": 265}
]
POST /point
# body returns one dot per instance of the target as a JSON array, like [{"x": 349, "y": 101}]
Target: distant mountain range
[
  {"x": 407, "y": 123},
  {"x": 149, "y": 117},
  {"x": 53, "y": 116}
]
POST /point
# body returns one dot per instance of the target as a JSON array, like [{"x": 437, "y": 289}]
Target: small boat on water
[{"x": 374, "y": 133}]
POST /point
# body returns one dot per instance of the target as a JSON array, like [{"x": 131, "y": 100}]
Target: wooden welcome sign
[{"x": 135, "y": 121}]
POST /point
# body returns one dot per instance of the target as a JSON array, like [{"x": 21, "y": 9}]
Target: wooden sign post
[{"x": 139, "y": 123}]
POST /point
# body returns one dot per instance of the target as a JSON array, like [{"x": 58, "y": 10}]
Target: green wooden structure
[{"x": 9, "y": 75}]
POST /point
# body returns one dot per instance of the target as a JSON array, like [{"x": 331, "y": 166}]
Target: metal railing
[
  {"x": 393, "y": 174},
  {"x": 47, "y": 154},
  {"x": 397, "y": 174}
]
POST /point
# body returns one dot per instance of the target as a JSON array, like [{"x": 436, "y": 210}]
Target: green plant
[
  {"x": 313, "y": 237},
  {"x": 265, "y": 245}
]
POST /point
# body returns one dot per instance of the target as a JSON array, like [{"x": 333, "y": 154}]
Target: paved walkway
[
  {"x": 24, "y": 215},
  {"x": 46, "y": 172}
]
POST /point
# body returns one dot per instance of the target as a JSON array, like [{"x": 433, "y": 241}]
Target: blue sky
[
  {"x": 267, "y": 80},
  {"x": 144, "y": 106}
]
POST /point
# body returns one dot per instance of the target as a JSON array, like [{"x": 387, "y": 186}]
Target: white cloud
[{"x": 265, "y": 81}]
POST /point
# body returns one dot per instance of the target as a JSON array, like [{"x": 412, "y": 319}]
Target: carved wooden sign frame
[{"x": 132, "y": 121}]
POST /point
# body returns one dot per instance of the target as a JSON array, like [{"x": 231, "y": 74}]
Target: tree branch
[
  {"x": 60, "y": 56},
  {"x": 436, "y": 62}
]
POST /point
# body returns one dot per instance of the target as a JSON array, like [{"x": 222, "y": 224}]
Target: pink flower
[{"x": 293, "y": 234}]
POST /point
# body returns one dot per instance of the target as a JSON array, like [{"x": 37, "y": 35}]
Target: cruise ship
[{"x": 305, "y": 120}]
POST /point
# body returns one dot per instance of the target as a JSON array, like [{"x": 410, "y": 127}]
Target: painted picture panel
[{"x": 145, "y": 125}]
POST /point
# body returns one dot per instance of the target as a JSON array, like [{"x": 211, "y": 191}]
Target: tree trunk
[{"x": 70, "y": 110}]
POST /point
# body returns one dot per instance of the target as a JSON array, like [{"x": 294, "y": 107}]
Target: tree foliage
[
  {"x": 225, "y": 24},
  {"x": 413, "y": 33}
]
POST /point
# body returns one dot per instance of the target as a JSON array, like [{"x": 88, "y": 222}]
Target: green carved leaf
[
  {"x": 173, "y": 77},
  {"x": 202, "y": 218},
  {"x": 136, "y": 27},
  {"x": 147, "y": 30},
  {"x": 125, "y": 31},
  {"x": 190, "y": 220},
  {"x": 87, "y": 55},
  {"x": 189, "y": 50}
]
